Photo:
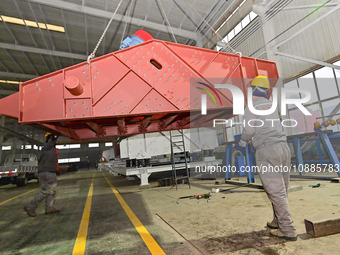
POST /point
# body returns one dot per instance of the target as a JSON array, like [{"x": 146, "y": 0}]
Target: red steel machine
[{"x": 141, "y": 89}]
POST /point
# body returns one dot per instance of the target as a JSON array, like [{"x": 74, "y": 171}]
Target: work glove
[{"x": 242, "y": 143}]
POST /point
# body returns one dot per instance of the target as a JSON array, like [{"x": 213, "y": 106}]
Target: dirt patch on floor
[{"x": 258, "y": 240}]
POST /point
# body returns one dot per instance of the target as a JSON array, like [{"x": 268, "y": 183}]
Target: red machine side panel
[
  {"x": 106, "y": 72},
  {"x": 123, "y": 97},
  {"x": 149, "y": 87},
  {"x": 42, "y": 99}
]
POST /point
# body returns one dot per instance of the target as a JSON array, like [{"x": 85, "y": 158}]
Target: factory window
[
  {"x": 238, "y": 28},
  {"x": 68, "y": 146},
  {"x": 316, "y": 113},
  {"x": 230, "y": 15},
  {"x": 93, "y": 145},
  {"x": 28, "y": 147},
  {"x": 35, "y": 147},
  {"x": 252, "y": 15},
  {"x": 74, "y": 146},
  {"x": 306, "y": 82},
  {"x": 246, "y": 21},
  {"x": 326, "y": 83},
  {"x": 230, "y": 35},
  {"x": 325, "y": 90},
  {"x": 62, "y": 147},
  {"x": 297, "y": 115},
  {"x": 108, "y": 144},
  {"x": 6, "y": 148},
  {"x": 328, "y": 107},
  {"x": 292, "y": 85},
  {"x": 337, "y": 74},
  {"x": 68, "y": 160}
]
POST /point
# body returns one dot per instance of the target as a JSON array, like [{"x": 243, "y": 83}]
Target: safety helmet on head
[
  {"x": 260, "y": 86},
  {"x": 47, "y": 134}
]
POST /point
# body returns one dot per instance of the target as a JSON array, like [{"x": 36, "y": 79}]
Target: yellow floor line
[
  {"x": 23, "y": 194},
  {"x": 150, "y": 242},
  {"x": 79, "y": 246}
]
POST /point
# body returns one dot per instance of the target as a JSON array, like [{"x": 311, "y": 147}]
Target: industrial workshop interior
[{"x": 169, "y": 127}]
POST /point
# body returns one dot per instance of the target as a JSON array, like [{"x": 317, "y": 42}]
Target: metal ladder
[{"x": 177, "y": 141}]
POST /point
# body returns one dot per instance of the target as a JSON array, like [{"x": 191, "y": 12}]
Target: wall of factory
[
  {"x": 320, "y": 41},
  {"x": 280, "y": 26}
]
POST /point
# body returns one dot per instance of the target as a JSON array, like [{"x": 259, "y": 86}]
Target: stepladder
[{"x": 179, "y": 158}]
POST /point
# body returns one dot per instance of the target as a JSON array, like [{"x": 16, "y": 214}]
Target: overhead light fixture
[
  {"x": 10, "y": 82},
  {"x": 30, "y": 23}
]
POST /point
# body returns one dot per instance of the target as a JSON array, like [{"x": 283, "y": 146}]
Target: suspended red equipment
[{"x": 141, "y": 89}]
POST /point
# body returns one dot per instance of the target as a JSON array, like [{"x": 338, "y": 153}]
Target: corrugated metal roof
[{"x": 37, "y": 51}]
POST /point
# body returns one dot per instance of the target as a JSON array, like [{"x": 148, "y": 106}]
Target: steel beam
[
  {"x": 266, "y": 3},
  {"x": 4, "y": 92},
  {"x": 310, "y": 6},
  {"x": 317, "y": 228},
  {"x": 95, "y": 127},
  {"x": 118, "y": 17},
  {"x": 321, "y": 63},
  {"x": 63, "y": 54},
  {"x": 17, "y": 75},
  {"x": 145, "y": 123}
]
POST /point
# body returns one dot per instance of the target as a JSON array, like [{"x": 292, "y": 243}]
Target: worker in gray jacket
[
  {"x": 47, "y": 174},
  {"x": 272, "y": 157}
]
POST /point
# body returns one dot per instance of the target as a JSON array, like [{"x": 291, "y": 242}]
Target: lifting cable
[
  {"x": 128, "y": 13},
  {"x": 166, "y": 19},
  {"x": 92, "y": 55},
  {"x": 225, "y": 44}
]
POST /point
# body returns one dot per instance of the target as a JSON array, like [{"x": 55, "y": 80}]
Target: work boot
[
  {"x": 272, "y": 225},
  {"x": 52, "y": 210},
  {"x": 279, "y": 234},
  {"x": 30, "y": 212}
]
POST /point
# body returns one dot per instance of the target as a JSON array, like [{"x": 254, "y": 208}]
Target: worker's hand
[{"x": 242, "y": 143}]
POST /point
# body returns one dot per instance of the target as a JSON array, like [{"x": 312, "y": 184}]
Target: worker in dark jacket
[
  {"x": 47, "y": 174},
  {"x": 272, "y": 152}
]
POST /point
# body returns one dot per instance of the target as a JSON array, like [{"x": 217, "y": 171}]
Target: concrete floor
[{"x": 229, "y": 223}]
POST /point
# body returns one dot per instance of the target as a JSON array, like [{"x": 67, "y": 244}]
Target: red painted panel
[
  {"x": 78, "y": 108},
  {"x": 172, "y": 81},
  {"x": 9, "y": 106},
  {"x": 249, "y": 67},
  {"x": 42, "y": 98},
  {"x": 223, "y": 66},
  {"x": 123, "y": 97},
  {"x": 106, "y": 71},
  {"x": 268, "y": 69},
  {"x": 154, "y": 102},
  {"x": 197, "y": 58}
]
